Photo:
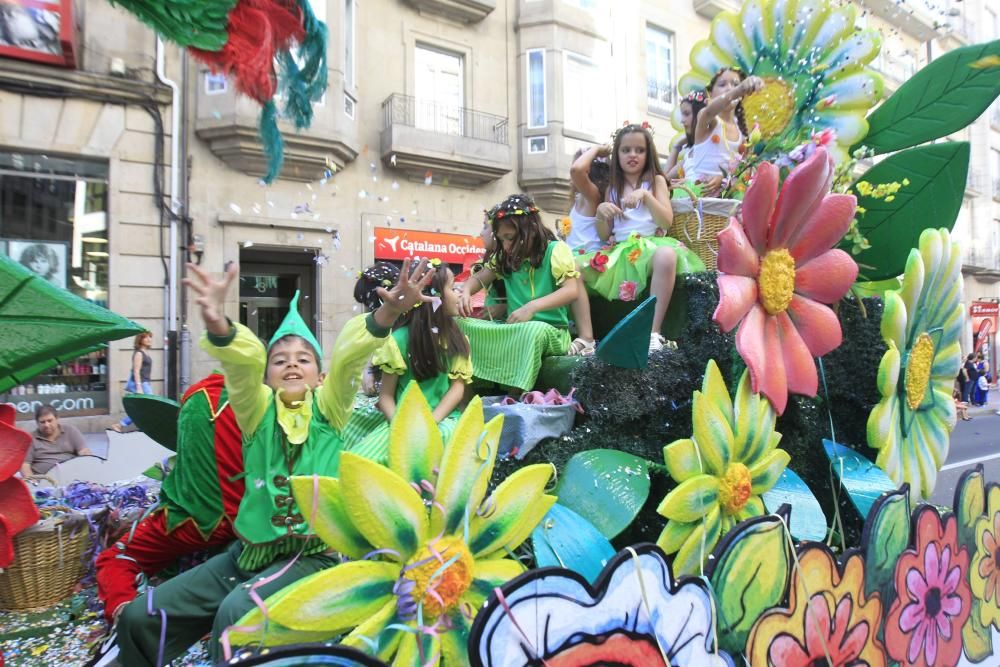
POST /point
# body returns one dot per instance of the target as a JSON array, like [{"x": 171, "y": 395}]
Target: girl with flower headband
[
  {"x": 633, "y": 219},
  {"x": 690, "y": 107},
  {"x": 379, "y": 274},
  {"x": 720, "y": 130},
  {"x": 426, "y": 348},
  {"x": 540, "y": 276}
]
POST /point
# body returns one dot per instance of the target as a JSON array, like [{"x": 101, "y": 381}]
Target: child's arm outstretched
[
  {"x": 362, "y": 336},
  {"x": 387, "y": 395},
  {"x": 241, "y": 354},
  {"x": 564, "y": 270},
  {"x": 656, "y": 199},
  {"x": 481, "y": 279},
  {"x": 579, "y": 173},
  {"x": 718, "y": 104}
]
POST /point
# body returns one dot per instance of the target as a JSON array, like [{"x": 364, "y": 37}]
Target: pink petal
[
  {"x": 855, "y": 643},
  {"x": 825, "y": 228},
  {"x": 911, "y": 616},
  {"x": 917, "y": 642},
  {"x": 817, "y": 324},
  {"x": 943, "y": 626},
  {"x": 758, "y": 205},
  {"x": 737, "y": 295},
  {"x": 817, "y": 622},
  {"x": 786, "y": 650},
  {"x": 916, "y": 585},
  {"x": 931, "y": 566},
  {"x": 827, "y": 277},
  {"x": 758, "y": 343},
  {"x": 841, "y": 620},
  {"x": 951, "y": 604},
  {"x": 800, "y": 369},
  {"x": 944, "y": 566},
  {"x": 801, "y": 194},
  {"x": 930, "y": 648},
  {"x": 736, "y": 255}
]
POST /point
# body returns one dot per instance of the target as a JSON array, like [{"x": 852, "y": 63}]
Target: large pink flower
[{"x": 777, "y": 270}]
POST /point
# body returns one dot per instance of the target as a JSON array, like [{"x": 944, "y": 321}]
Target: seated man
[{"x": 53, "y": 443}]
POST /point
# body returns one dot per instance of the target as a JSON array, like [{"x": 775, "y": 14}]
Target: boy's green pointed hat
[{"x": 294, "y": 325}]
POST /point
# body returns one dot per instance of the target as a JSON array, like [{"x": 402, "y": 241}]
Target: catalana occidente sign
[{"x": 395, "y": 243}]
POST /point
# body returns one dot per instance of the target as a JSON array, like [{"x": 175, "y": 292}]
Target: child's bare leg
[
  {"x": 581, "y": 312},
  {"x": 661, "y": 283}
]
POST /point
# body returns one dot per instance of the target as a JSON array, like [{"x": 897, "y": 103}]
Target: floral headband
[
  {"x": 632, "y": 127},
  {"x": 513, "y": 205},
  {"x": 696, "y": 96}
]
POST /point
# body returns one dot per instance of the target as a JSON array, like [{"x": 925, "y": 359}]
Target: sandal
[{"x": 581, "y": 348}]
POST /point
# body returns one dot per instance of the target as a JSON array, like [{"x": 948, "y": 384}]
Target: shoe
[
  {"x": 106, "y": 652},
  {"x": 656, "y": 342},
  {"x": 582, "y": 348}
]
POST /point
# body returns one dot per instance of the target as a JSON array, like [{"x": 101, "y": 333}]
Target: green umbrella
[{"x": 42, "y": 325}]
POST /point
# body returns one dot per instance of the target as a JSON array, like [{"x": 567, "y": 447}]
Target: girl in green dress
[
  {"x": 539, "y": 273},
  {"x": 428, "y": 348}
]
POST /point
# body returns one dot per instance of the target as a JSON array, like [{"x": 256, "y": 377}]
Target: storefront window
[{"x": 53, "y": 220}]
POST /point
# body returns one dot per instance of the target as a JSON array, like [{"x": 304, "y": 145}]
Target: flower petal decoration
[
  {"x": 984, "y": 570},
  {"x": 435, "y": 549},
  {"x": 635, "y": 614},
  {"x": 922, "y": 325},
  {"x": 722, "y": 469},
  {"x": 777, "y": 272},
  {"x": 933, "y": 602},
  {"x": 828, "y": 621},
  {"x": 17, "y": 506},
  {"x": 813, "y": 62}
]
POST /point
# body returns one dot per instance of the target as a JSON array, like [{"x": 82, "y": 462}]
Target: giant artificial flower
[
  {"x": 17, "y": 506},
  {"x": 721, "y": 470},
  {"x": 777, "y": 271},
  {"x": 984, "y": 570},
  {"x": 924, "y": 628},
  {"x": 812, "y": 60},
  {"x": 922, "y": 325},
  {"x": 829, "y": 619},
  {"x": 635, "y": 610},
  {"x": 426, "y": 550}
]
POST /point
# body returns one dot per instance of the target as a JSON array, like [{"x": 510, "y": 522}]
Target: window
[
  {"x": 584, "y": 107},
  {"x": 659, "y": 69},
  {"x": 349, "y": 44},
  {"x": 215, "y": 84},
  {"x": 319, "y": 9},
  {"x": 538, "y": 144},
  {"x": 440, "y": 90},
  {"x": 584, "y": 4},
  {"x": 536, "y": 88},
  {"x": 349, "y": 104}
]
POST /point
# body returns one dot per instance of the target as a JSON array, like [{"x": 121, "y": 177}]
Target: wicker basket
[
  {"x": 48, "y": 563},
  {"x": 698, "y": 221}
]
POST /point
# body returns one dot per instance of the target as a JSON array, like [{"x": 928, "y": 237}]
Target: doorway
[{"x": 268, "y": 281}]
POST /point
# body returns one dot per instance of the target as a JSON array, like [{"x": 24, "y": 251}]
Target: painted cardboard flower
[
  {"x": 730, "y": 460},
  {"x": 777, "y": 270},
  {"x": 984, "y": 570},
  {"x": 828, "y": 621},
  {"x": 922, "y": 325},
  {"x": 813, "y": 62},
  {"x": 426, "y": 550},
  {"x": 924, "y": 628},
  {"x": 634, "y": 615},
  {"x": 17, "y": 506}
]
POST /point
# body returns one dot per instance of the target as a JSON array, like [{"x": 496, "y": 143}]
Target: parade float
[{"x": 758, "y": 495}]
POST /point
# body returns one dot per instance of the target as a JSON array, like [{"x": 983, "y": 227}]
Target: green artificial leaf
[
  {"x": 929, "y": 198},
  {"x": 605, "y": 487},
  {"x": 886, "y": 536},
  {"x": 947, "y": 95},
  {"x": 156, "y": 416},
  {"x": 752, "y": 565},
  {"x": 877, "y": 288},
  {"x": 970, "y": 504},
  {"x": 563, "y": 538},
  {"x": 977, "y": 639}
]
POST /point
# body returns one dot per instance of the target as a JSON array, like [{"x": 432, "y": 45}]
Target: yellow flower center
[
  {"x": 735, "y": 488},
  {"x": 441, "y": 574},
  {"x": 771, "y": 108},
  {"x": 918, "y": 370},
  {"x": 776, "y": 280}
]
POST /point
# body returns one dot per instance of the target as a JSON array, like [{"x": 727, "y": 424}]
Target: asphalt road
[{"x": 972, "y": 442}]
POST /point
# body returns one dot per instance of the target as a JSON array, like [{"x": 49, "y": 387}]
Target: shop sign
[
  {"x": 42, "y": 31},
  {"x": 396, "y": 244},
  {"x": 77, "y": 403},
  {"x": 984, "y": 315}
]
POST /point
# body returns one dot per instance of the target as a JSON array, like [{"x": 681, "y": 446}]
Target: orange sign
[
  {"x": 984, "y": 315},
  {"x": 394, "y": 243}
]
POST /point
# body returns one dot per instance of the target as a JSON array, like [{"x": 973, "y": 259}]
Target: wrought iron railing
[
  {"x": 398, "y": 109},
  {"x": 660, "y": 94}
]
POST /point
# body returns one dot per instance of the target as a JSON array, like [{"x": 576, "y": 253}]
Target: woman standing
[{"x": 139, "y": 374}]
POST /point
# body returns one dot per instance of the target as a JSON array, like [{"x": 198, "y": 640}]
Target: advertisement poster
[
  {"x": 396, "y": 244},
  {"x": 46, "y": 258},
  {"x": 38, "y": 30},
  {"x": 984, "y": 316}
]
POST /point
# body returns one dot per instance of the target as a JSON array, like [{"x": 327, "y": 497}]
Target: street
[{"x": 972, "y": 442}]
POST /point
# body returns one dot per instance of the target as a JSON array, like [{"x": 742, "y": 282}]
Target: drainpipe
[
  {"x": 170, "y": 305},
  {"x": 185, "y": 332}
]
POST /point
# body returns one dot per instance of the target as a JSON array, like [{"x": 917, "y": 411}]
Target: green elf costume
[
  {"x": 367, "y": 432},
  {"x": 275, "y": 545}
]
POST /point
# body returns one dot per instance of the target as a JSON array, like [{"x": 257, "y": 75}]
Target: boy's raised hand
[
  {"x": 407, "y": 293},
  {"x": 211, "y": 296}
]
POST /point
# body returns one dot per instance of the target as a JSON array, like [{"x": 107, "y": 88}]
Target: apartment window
[
  {"x": 440, "y": 90},
  {"x": 584, "y": 4},
  {"x": 538, "y": 144},
  {"x": 659, "y": 69},
  {"x": 215, "y": 84},
  {"x": 349, "y": 104},
  {"x": 349, "y": 73},
  {"x": 536, "y": 88},
  {"x": 584, "y": 105}
]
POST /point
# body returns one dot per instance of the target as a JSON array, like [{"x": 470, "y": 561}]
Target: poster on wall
[
  {"x": 46, "y": 258},
  {"x": 38, "y": 30}
]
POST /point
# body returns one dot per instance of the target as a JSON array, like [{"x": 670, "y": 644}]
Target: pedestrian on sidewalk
[{"x": 971, "y": 377}]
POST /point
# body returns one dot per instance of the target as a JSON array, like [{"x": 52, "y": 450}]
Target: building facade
[{"x": 436, "y": 110}]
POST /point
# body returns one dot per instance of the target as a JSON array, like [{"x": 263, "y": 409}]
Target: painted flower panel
[{"x": 984, "y": 570}]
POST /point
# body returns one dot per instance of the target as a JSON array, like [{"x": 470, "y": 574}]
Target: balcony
[
  {"x": 464, "y": 147},
  {"x": 227, "y": 122},
  {"x": 975, "y": 183},
  {"x": 913, "y": 17},
  {"x": 463, "y": 11},
  {"x": 983, "y": 263},
  {"x": 709, "y": 8}
]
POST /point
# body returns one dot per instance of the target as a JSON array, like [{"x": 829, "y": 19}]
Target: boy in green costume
[{"x": 288, "y": 429}]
